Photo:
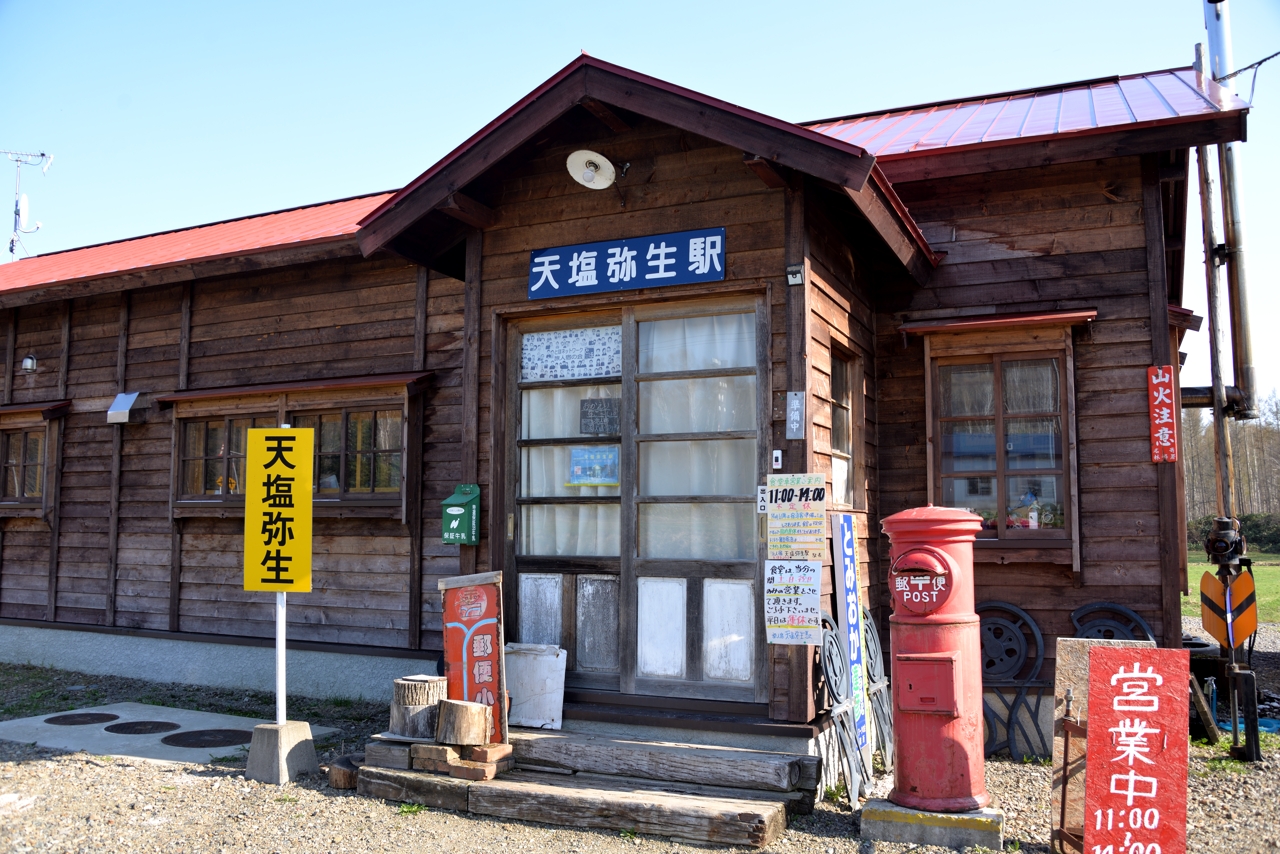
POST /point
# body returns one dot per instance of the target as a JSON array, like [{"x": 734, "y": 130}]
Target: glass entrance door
[{"x": 638, "y": 544}]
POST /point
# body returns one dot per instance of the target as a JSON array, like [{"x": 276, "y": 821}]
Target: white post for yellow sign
[{"x": 279, "y": 463}]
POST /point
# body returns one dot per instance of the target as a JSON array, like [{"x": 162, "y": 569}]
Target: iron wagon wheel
[
  {"x": 835, "y": 661},
  {"x": 1116, "y": 623},
  {"x": 1009, "y": 634}
]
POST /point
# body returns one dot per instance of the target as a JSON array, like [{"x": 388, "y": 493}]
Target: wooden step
[
  {"x": 679, "y": 763},
  {"x": 613, "y": 803}
]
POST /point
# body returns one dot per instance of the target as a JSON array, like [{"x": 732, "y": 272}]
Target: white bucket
[{"x": 535, "y": 680}]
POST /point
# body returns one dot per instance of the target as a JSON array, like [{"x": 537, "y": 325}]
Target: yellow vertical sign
[{"x": 277, "y": 509}]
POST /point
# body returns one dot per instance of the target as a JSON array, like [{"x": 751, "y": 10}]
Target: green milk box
[{"x": 461, "y": 517}]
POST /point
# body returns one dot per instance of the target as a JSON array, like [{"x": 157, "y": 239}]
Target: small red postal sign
[
  {"x": 1164, "y": 415},
  {"x": 1136, "y": 765}
]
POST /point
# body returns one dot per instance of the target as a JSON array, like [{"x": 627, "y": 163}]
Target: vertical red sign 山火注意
[
  {"x": 1164, "y": 414},
  {"x": 1136, "y": 761},
  {"x": 473, "y": 639}
]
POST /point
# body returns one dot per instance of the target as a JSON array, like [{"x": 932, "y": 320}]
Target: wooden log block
[
  {"x": 343, "y": 772},
  {"x": 414, "y": 787},
  {"x": 383, "y": 754},
  {"x": 464, "y": 723},
  {"x": 414, "y": 721},
  {"x": 420, "y": 690}
]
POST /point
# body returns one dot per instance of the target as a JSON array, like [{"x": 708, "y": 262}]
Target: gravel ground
[{"x": 72, "y": 802}]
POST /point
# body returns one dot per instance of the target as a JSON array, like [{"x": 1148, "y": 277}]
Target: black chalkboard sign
[{"x": 600, "y": 415}]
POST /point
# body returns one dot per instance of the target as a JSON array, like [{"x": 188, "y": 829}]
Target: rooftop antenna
[{"x": 23, "y": 158}]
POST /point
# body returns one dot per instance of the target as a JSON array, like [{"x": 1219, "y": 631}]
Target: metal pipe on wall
[
  {"x": 1221, "y": 62},
  {"x": 1221, "y": 435}
]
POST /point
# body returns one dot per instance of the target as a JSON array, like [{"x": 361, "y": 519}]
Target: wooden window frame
[
  {"x": 857, "y": 427},
  {"x": 1041, "y": 336},
  {"x": 285, "y": 401},
  {"x": 370, "y": 498},
  {"x": 8, "y": 435},
  {"x": 226, "y": 458}
]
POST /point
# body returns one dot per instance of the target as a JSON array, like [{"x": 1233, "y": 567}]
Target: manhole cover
[
  {"x": 142, "y": 727},
  {"x": 81, "y": 719},
  {"x": 209, "y": 738}
]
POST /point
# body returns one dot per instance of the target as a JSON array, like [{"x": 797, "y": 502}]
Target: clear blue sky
[{"x": 163, "y": 115}]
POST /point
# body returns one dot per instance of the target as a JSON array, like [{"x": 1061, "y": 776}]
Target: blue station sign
[{"x": 679, "y": 258}]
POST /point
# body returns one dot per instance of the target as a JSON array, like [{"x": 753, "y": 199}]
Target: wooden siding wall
[
  {"x": 306, "y": 322},
  {"x": 841, "y": 318},
  {"x": 1051, "y": 238}
]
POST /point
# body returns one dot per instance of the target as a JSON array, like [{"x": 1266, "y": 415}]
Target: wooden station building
[{"x": 967, "y": 295}]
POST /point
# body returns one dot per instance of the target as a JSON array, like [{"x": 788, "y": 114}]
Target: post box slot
[{"x": 927, "y": 683}]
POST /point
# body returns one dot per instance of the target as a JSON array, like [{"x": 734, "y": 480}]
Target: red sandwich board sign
[
  {"x": 1135, "y": 780},
  {"x": 473, "y": 638},
  {"x": 1163, "y": 414}
]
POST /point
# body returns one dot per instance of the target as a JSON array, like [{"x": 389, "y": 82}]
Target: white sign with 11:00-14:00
[{"x": 678, "y": 258}]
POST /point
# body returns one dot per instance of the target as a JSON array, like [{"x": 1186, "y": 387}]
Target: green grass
[
  {"x": 1266, "y": 576},
  {"x": 411, "y": 809}
]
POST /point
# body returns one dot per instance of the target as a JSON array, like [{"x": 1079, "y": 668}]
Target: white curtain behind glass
[{"x": 698, "y": 343}]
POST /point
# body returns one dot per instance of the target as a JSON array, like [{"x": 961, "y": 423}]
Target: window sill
[
  {"x": 319, "y": 510},
  {"x": 1023, "y": 551},
  {"x": 21, "y": 511}
]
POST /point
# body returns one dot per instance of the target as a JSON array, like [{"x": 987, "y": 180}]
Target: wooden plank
[
  {"x": 412, "y": 513},
  {"x": 617, "y": 806},
  {"x": 610, "y": 119},
  {"x": 791, "y": 674},
  {"x": 467, "y": 210},
  {"x": 53, "y": 482},
  {"x": 1172, "y": 538},
  {"x": 413, "y": 787},
  {"x": 686, "y": 763},
  {"x": 628, "y": 599},
  {"x": 64, "y": 359},
  {"x": 420, "y": 321},
  {"x": 184, "y": 338},
  {"x": 11, "y": 342},
  {"x": 470, "y": 445},
  {"x": 498, "y": 460},
  {"x": 117, "y": 448},
  {"x": 765, "y": 171}
]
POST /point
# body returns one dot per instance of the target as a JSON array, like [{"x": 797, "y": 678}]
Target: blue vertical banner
[
  {"x": 678, "y": 258},
  {"x": 852, "y": 622}
]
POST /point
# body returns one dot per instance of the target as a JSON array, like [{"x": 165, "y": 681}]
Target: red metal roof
[
  {"x": 1092, "y": 106},
  {"x": 324, "y": 222}
]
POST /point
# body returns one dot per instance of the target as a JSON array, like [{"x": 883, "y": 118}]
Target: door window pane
[
  {"x": 590, "y": 530},
  {"x": 698, "y": 531},
  {"x": 1030, "y": 385},
  {"x": 968, "y": 446},
  {"x": 548, "y": 470},
  {"x": 571, "y": 354},
  {"x": 698, "y": 343},
  {"x": 1035, "y": 503},
  {"x": 556, "y": 413},
  {"x": 975, "y": 494},
  {"x": 660, "y": 627},
  {"x": 1033, "y": 443},
  {"x": 708, "y": 404},
  {"x": 841, "y": 485},
  {"x": 967, "y": 390},
  {"x": 712, "y": 467},
  {"x": 728, "y": 629}
]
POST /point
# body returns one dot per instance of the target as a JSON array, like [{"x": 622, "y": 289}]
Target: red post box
[{"x": 936, "y": 671}]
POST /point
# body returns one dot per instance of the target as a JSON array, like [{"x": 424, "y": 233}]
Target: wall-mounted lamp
[{"x": 29, "y": 364}]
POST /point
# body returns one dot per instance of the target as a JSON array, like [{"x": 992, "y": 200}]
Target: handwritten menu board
[
  {"x": 792, "y": 601},
  {"x": 797, "y": 511}
]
